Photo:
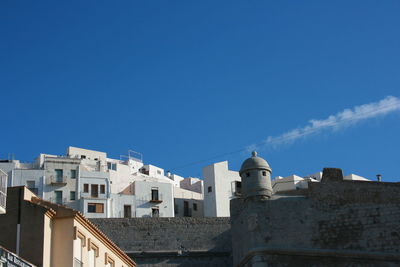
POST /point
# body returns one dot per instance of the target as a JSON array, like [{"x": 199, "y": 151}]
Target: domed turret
[{"x": 256, "y": 177}]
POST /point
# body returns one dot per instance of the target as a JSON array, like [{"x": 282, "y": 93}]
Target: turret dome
[{"x": 254, "y": 162}]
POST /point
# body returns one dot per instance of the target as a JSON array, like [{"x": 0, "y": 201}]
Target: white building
[
  {"x": 3, "y": 191},
  {"x": 220, "y": 186},
  {"x": 101, "y": 187}
]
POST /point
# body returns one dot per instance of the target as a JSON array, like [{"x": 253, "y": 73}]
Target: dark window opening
[
  {"x": 194, "y": 206},
  {"x": 154, "y": 194},
  {"x": 264, "y": 173},
  {"x": 127, "y": 211},
  {"x": 95, "y": 207},
  {"x": 247, "y": 174},
  {"x": 86, "y": 188},
  {"x": 72, "y": 195},
  {"x": 102, "y": 189},
  {"x": 95, "y": 190},
  {"x": 209, "y": 189},
  {"x": 155, "y": 213},
  {"x": 73, "y": 174}
]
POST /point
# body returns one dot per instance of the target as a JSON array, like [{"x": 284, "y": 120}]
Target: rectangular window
[
  {"x": 73, "y": 174},
  {"x": 78, "y": 252},
  {"x": 194, "y": 206},
  {"x": 95, "y": 207},
  {"x": 59, "y": 175},
  {"x": 72, "y": 195},
  {"x": 92, "y": 258},
  {"x": 186, "y": 211},
  {"x": 154, "y": 194},
  {"x": 94, "y": 190},
  {"x": 58, "y": 197},
  {"x": 209, "y": 189},
  {"x": 155, "y": 212},
  {"x": 102, "y": 189},
  {"x": 112, "y": 166},
  {"x": 127, "y": 211},
  {"x": 86, "y": 188}
]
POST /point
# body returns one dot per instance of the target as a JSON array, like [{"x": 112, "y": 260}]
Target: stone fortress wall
[
  {"x": 178, "y": 241},
  {"x": 333, "y": 223}
]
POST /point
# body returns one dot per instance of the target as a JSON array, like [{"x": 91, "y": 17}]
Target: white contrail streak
[{"x": 342, "y": 119}]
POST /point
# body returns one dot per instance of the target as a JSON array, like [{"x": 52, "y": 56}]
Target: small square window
[
  {"x": 194, "y": 206},
  {"x": 209, "y": 189},
  {"x": 102, "y": 189},
  {"x": 264, "y": 173},
  {"x": 86, "y": 188},
  {"x": 72, "y": 195},
  {"x": 73, "y": 174}
]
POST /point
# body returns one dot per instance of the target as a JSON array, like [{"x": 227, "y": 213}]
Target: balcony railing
[
  {"x": 156, "y": 198},
  {"x": 77, "y": 263},
  {"x": 57, "y": 200},
  {"x": 57, "y": 180}
]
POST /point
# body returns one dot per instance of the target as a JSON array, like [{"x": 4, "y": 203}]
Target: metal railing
[
  {"x": 57, "y": 179},
  {"x": 77, "y": 263}
]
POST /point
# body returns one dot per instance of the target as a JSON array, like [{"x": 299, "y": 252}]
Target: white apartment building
[{"x": 101, "y": 187}]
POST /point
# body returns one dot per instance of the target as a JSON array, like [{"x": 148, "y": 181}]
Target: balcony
[
  {"x": 57, "y": 180},
  {"x": 77, "y": 263},
  {"x": 155, "y": 197},
  {"x": 58, "y": 200}
]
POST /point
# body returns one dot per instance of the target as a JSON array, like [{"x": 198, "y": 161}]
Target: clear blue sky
[{"x": 182, "y": 81}]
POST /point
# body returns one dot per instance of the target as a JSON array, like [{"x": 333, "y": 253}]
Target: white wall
[
  {"x": 181, "y": 195},
  {"x": 219, "y": 178},
  {"x": 143, "y": 197}
]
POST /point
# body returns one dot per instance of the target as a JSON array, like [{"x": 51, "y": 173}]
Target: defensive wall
[
  {"x": 333, "y": 223},
  {"x": 179, "y": 241}
]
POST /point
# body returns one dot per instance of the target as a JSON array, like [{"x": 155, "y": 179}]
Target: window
[
  {"x": 83, "y": 157},
  {"x": 58, "y": 197},
  {"x": 194, "y": 206},
  {"x": 72, "y": 195},
  {"x": 127, "y": 211},
  {"x": 209, "y": 189},
  {"x": 78, "y": 251},
  {"x": 112, "y": 166},
  {"x": 102, "y": 189},
  {"x": 247, "y": 174},
  {"x": 73, "y": 174},
  {"x": 86, "y": 188},
  {"x": 31, "y": 186},
  {"x": 264, "y": 173},
  {"x": 94, "y": 190},
  {"x": 93, "y": 253},
  {"x": 154, "y": 194},
  {"x": 237, "y": 188},
  {"x": 59, "y": 175},
  {"x": 95, "y": 208},
  {"x": 155, "y": 212},
  {"x": 186, "y": 211}
]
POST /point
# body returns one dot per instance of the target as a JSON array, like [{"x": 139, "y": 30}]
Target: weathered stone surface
[
  {"x": 172, "y": 241},
  {"x": 354, "y": 219}
]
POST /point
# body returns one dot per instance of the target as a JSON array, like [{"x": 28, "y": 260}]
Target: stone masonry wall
[
  {"x": 349, "y": 221},
  {"x": 171, "y": 241}
]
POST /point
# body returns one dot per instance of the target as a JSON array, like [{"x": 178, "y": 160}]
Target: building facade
[
  {"x": 49, "y": 234},
  {"x": 101, "y": 187}
]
